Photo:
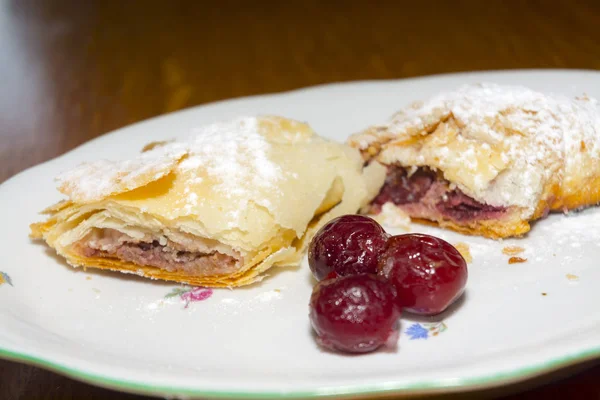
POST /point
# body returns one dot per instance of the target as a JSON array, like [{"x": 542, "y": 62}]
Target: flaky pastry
[
  {"x": 488, "y": 159},
  {"x": 219, "y": 209}
]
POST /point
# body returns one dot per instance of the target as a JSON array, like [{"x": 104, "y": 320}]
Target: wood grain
[{"x": 73, "y": 70}]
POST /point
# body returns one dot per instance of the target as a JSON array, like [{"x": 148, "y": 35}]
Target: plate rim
[{"x": 489, "y": 380}]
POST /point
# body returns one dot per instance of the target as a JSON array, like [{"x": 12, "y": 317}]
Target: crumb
[
  {"x": 96, "y": 290},
  {"x": 544, "y": 294},
  {"x": 515, "y": 260},
  {"x": 70, "y": 290},
  {"x": 88, "y": 278},
  {"x": 277, "y": 290},
  {"x": 582, "y": 146},
  {"x": 153, "y": 145},
  {"x": 464, "y": 251},
  {"x": 392, "y": 216},
  {"x": 572, "y": 277},
  {"x": 512, "y": 250}
]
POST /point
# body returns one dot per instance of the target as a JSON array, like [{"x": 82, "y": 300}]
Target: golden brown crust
[
  {"x": 241, "y": 278},
  {"x": 583, "y": 193},
  {"x": 488, "y": 228}
]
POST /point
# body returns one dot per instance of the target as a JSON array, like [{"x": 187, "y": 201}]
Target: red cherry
[
  {"x": 356, "y": 313},
  {"x": 346, "y": 245},
  {"x": 429, "y": 274}
]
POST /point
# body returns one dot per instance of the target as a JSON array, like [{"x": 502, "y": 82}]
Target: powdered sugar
[
  {"x": 192, "y": 198},
  {"x": 518, "y": 109},
  {"x": 233, "y": 154},
  {"x": 92, "y": 181},
  {"x": 492, "y": 113}
]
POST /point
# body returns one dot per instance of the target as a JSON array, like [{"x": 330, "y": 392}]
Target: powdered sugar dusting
[
  {"x": 226, "y": 149},
  {"x": 536, "y": 130},
  {"x": 92, "y": 181},
  {"x": 546, "y": 117},
  {"x": 233, "y": 155}
]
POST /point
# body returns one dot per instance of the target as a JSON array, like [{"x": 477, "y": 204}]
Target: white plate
[{"x": 122, "y": 332}]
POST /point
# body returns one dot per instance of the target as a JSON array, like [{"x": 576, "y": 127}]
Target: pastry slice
[
  {"x": 487, "y": 159},
  {"x": 218, "y": 209}
]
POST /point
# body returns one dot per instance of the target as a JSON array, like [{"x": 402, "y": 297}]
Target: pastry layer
[{"x": 217, "y": 209}]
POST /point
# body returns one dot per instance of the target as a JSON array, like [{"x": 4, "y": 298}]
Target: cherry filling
[
  {"x": 460, "y": 207},
  {"x": 170, "y": 256},
  {"x": 425, "y": 194},
  {"x": 400, "y": 188}
]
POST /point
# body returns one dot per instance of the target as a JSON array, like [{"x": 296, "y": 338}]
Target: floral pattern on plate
[
  {"x": 425, "y": 330},
  {"x": 190, "y": 294},
  {"x": 4, "y": 278}
]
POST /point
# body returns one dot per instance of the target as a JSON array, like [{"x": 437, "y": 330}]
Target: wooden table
[{"x": 73, "y": 70}]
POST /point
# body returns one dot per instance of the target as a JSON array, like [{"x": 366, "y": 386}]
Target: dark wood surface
[{"x": 73, "y": 70}]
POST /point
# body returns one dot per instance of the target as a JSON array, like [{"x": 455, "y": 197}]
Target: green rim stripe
[{"x": 375, "y": 389}]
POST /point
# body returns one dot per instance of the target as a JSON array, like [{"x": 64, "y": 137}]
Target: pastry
[
  {"x": 487, "y": 159},
  {"x": 218, "y": 209}
]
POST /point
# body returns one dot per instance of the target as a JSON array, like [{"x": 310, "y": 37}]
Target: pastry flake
[
  {"x": 512, "y": 250},
  {"x": 487, "y": 159},
  {"x": 465, "y": 251},
  {"x": 516, "y": 260},
  {"x": 218, "y": 209},
  {"x": 572, "y": 277}
]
